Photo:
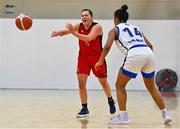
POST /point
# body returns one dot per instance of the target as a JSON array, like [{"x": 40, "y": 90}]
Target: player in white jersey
[{"x": 139, "y": 57}]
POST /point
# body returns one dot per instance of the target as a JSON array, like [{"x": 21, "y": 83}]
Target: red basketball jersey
[{"x": 94, "y": 47}]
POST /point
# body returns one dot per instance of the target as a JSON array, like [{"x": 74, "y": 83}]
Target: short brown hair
[{"x": 90, "y": 12}]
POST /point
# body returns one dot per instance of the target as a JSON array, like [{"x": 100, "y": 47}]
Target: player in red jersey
[{"x": 90, "y": 48}]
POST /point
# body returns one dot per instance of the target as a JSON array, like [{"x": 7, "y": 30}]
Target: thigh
[
  {"x": 149, "y": 83},
  {"x": 82, "y": 79},
  {"x": 122, "y": 79}
]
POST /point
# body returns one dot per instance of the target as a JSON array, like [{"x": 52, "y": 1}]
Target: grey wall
[
  {"x": 103, "y": 9},
  {"x": 1, "y": 54},
  {"x": 32, "y": 59}
]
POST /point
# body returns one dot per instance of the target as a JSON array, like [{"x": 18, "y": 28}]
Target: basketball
[{"x": 23, "y": 22}]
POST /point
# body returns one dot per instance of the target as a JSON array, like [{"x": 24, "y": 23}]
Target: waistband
[{"x": 138, "y": 45}]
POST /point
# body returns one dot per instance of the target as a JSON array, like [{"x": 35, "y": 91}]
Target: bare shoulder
[
  {"x": 76, "y": 26},
  {"x": 98, "y": 29},
  {"x": 98, "y": 26},
  {"x": 112, "y": 34},
  {"x": 113, "y": 31}
]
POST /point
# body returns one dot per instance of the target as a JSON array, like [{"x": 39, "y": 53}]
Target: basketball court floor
[{"x": 58, "y": 108}]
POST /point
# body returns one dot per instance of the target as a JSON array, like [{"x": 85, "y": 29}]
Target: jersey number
[{"x": 135, "y": 32}]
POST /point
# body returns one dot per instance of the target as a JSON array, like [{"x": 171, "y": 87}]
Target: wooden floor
[{"x": 58, "y": 108}]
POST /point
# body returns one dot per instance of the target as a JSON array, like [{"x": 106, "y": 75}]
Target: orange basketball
[{"x": 23, "y": 22}]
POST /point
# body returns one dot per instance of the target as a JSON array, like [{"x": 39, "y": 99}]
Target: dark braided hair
[{"x": 122, "y": 13}]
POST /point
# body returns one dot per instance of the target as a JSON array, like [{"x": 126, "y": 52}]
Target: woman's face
[{"x": 86, "y": 17}]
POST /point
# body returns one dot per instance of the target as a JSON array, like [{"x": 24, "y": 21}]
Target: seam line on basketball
[{"x": 22, "y": 24}]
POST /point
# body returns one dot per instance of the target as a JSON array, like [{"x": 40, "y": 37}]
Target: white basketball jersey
[{"x": 128, "y": 37}]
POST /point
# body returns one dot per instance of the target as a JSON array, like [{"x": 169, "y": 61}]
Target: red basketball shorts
[{"x": 87, "y": 63}]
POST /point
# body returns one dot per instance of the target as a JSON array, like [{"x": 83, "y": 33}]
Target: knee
[
  {"x": 151, "y": 88},
  {"x": 104, "y": 83},
  {"x": 120, "y": 86},
  {"x": 82, "y": 85}
]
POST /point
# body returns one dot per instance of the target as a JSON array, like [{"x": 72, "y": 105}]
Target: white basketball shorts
[{"x": 143, "y": 61}]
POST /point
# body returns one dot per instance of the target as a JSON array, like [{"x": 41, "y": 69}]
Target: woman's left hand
[
  {"x": 69, "y": 27},
  {"x": 97, "y": 66}
]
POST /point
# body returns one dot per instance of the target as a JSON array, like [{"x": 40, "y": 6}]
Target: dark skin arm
[
  {"x": 148, "y": 42},
  {"x": 107, "y": 47}
]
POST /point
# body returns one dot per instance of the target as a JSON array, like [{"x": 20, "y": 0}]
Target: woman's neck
[{"x": 86, "y": 26}]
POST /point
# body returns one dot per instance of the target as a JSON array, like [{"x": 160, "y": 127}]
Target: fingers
[
  {"x": 69, "y": 27},
  {"x": 97, "y": 66},
  {"x": 61, "y": 32},
  {"x": 53, "y": 34},
  {"x": 57, "y": 33},
  {"x": 87, "y": 43}
]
